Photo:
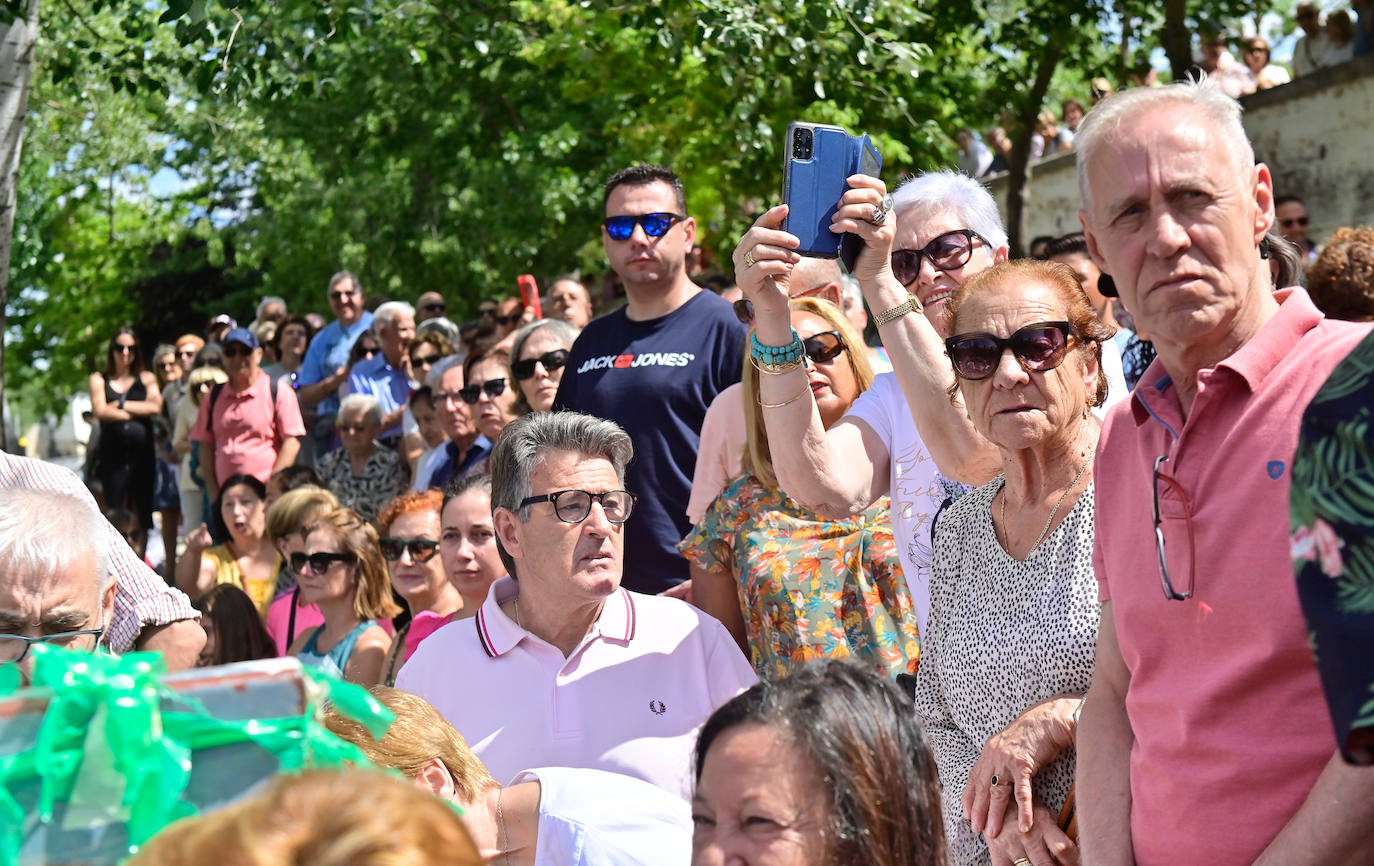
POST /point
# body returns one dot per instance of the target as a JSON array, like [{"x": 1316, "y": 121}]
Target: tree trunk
[
  {"x": 1178, "y": 46},
  {"x": 1018, "y": 179},
  {"x": 17, "y": 40}
]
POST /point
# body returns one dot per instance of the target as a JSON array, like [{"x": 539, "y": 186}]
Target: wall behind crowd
[{"x": 1312, "y": 133}]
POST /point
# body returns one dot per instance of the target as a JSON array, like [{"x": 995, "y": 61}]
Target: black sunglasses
[
  {"x": 470, "y": 394},
  {"x": 573, "y": 506},
  {"x": 421, "y": 549},
  {"x": 319, "y": 562},
  {"x": 424, "y": 360},
  {"x": 1037, "y": 347},
  {"x": 551, "y": 360},
  {"x": 507, "y": 320},
  {"x": 948, "y": 251},
  {"x": 655, "y": 225},
  {"x": 823, "y": 347},
  {"x": 439, "y": 307},
  {"x": 236, "y": 350}
]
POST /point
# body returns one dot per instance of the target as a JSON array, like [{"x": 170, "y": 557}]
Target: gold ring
[
  {"x": 997, "y": 784},
  {"x": 749, "y": 259},
  {"x": 1022, "y": 861}
]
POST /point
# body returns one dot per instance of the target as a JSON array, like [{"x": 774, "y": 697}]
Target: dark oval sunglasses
[
  {"x": 470, "y": 394},
  {"x": 421, "y": 549},
  {"x": 655, "y": 225},
  {"x": 551, "y": 360},
  {"x": 823, "y": 347},
  {"x": 319, "y": 562},
  {"x": 1037, "y": 347},
  {"x": 948, "y": 251}
]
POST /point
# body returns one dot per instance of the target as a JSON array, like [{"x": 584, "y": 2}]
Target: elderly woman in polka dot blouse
[{"x": 1009, "y": 646}]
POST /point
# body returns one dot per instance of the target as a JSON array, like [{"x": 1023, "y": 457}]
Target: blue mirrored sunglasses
[{"x": 655, "y": 225}]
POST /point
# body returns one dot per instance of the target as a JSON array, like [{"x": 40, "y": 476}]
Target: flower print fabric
[{"x": 809, "y": 587}]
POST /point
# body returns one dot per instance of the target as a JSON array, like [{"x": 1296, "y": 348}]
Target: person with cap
[{"x": 249, "y": 424}]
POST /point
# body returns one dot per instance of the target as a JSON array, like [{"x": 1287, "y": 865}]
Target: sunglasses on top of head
[
  {"x": 655, "y": 225},
  {"x": 1038, "y": 347},
  {"x": 947, "y": 252},
  {"x": 493, "y": 388},
  {"x": 551, "y": 360}
]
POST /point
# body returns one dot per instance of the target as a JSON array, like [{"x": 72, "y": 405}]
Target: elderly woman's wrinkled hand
[
  {"x": 763, "y": 265},
  {"x": 865, "y": 199},
  {"x": 1044, "y": 844},
  {"x": 1009, "y": 762}
]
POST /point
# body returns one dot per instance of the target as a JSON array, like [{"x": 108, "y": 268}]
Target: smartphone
[
  {"x": 529, "y": 294},
  {"x": 819, "y": 159}
]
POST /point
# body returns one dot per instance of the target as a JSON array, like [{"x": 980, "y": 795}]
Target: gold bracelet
[
  {"x": 800, "y": 394},
  {"x": 777, "y": 369},
  {"x": 910, "y": 305}
]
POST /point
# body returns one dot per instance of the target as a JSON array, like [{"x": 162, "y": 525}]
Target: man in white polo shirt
[{"x": 561, "y": 666}]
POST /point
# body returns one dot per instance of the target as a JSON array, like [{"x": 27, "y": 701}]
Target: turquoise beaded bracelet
[{"x": 776, "y": 354}]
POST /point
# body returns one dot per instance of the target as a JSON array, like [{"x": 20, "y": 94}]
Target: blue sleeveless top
[{"x": 334, "y": 661}]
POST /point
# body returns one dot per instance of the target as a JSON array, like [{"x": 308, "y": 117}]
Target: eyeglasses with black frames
[
  {"x": 573, "y": 506},
  {"x": 550, "y": 360},
  {"x": 319, "y": 563},
  {"x": 472, "y": 393},
  {"x": 14, "y": 647}
]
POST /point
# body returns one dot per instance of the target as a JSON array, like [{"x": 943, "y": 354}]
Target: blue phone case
[{"x": 812, "y": 187}]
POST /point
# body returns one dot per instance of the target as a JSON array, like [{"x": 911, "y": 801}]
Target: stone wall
[{"x": 1316, "y": 135}]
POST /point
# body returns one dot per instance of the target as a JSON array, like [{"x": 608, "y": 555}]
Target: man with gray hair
[
  {"x": 325, "y": 368},
  {"x": 55, "y": 581},
  {"x": 562, "y": 666},
  {"x": 386, "y": 375},
  {"x": 466, "y": 448},
  {"x": 944, "y": 228},
  {"x": 270, "y": 309},
  {"x": 1205, "y": 737}
]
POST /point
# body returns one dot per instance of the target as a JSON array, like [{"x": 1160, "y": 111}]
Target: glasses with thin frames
[
  {"x": 947, "y": 252},
  {"x": 14, "y": 647},
  {"x": 319, "y": 562},
  {"x": 493, "y": 388},
  {"x": 573, "y": 506},
  {"x": 1037, "y": 347},
  {"x": 550, "y": 360},
  {"x": 1171, "y": 593},
  {"x": 420, "y": 549},
  {"x": 655, "y": 225}
]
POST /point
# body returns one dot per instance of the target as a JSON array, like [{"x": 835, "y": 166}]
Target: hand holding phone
[
  {"x": 820, "y": 159},
  {"x": 529, "y": 294}
]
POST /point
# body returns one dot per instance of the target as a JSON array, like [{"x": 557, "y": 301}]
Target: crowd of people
[{"x": 718, "y": 582}]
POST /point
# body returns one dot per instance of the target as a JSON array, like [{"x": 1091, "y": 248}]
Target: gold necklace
[
  {"x": 504, "y": 832},
  {"x": 1006, "y": 532}
]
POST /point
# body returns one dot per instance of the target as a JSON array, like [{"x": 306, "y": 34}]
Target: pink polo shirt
[
  {"x": 1224, "y": 700},
  {"x": 628, "y": 699},
  {"x": 248, "y": 433}
]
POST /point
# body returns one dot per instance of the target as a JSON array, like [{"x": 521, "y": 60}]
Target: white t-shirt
[
  {"x": 596, "y": 818},
  {"x": 914, "y": 484}
]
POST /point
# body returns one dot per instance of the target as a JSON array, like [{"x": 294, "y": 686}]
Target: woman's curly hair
[{"x": 1341, "y": 281}]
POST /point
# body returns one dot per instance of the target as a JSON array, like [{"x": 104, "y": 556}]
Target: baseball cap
[{"x": 241, "y": 335}]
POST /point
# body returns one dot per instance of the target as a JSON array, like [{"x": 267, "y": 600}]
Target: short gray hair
[
  {"x": 386, "y": 315},
  {"x": 371, "y": 409},
  {"x": 850, "y": 291},
  {"x": 345, "y": 275},
  {"x": 268, "y": 301},
  {"x": 44, "y": 533},
  {"x": 955, "y": 193},
  {"x": 442, "y": 326},
  {"x": 442, "y": 366},
  {"x": 1103, "y": 123},
  {"x": 526, "y": 442}
]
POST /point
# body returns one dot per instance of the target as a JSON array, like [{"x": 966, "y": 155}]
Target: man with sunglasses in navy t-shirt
[{"x": 654, "y": 365}]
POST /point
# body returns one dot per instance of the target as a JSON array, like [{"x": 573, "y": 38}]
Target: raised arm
[
  {"x": 1103, "y": 777},
  {"x": 914, "y": 347},
  {"x": 835, "y": 473}
]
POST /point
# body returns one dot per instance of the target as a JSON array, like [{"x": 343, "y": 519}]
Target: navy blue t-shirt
[{"x": 655, "y": 378}]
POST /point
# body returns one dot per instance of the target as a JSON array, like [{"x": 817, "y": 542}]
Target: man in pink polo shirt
[
  {"x": 561, "y": 666},
  {"x": 1204, "y": 737},
  {"x": 244, "y": 425}
]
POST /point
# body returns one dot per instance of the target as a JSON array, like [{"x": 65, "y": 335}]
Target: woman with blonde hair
[
  {"x": 287, "y": 519},
  {"x": 789, "y": 584},
  {"x": 553, "y": 816},
  {"x": 342, "y": 571},
  {"x": 352, "y": 817}
]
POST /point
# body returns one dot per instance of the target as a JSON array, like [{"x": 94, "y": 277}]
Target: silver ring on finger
[
  {"x": 749, "y": 259},
  {"x": 881, "y": 211}
]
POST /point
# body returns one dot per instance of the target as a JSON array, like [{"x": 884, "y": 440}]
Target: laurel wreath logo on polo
[{"x": 658, "y": 707}]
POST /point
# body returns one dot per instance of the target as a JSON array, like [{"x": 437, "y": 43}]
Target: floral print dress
[{"x": 809, "y": 587}]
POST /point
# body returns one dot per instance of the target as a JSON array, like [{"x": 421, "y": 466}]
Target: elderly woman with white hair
[{"x": 364, "y": 473}]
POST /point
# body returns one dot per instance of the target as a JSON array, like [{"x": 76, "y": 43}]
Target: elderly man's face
[
  {"x": 51, "y": 603},
  {"x": 346, "y": 301},
  {"x": 578, "y": 563},
  {"x": 454, "y": 415},
  {"x": 430, "y": 306},
  {"x": 1177, "y": 223},
  {"x": 569, "y": 301},
  {"x": 395, "y": 337}
]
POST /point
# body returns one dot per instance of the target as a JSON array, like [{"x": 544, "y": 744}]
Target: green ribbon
[{"x": 149, "y": 748}]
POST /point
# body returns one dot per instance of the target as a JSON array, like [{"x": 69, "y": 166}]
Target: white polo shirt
[{"x": 628, "y": 699}]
